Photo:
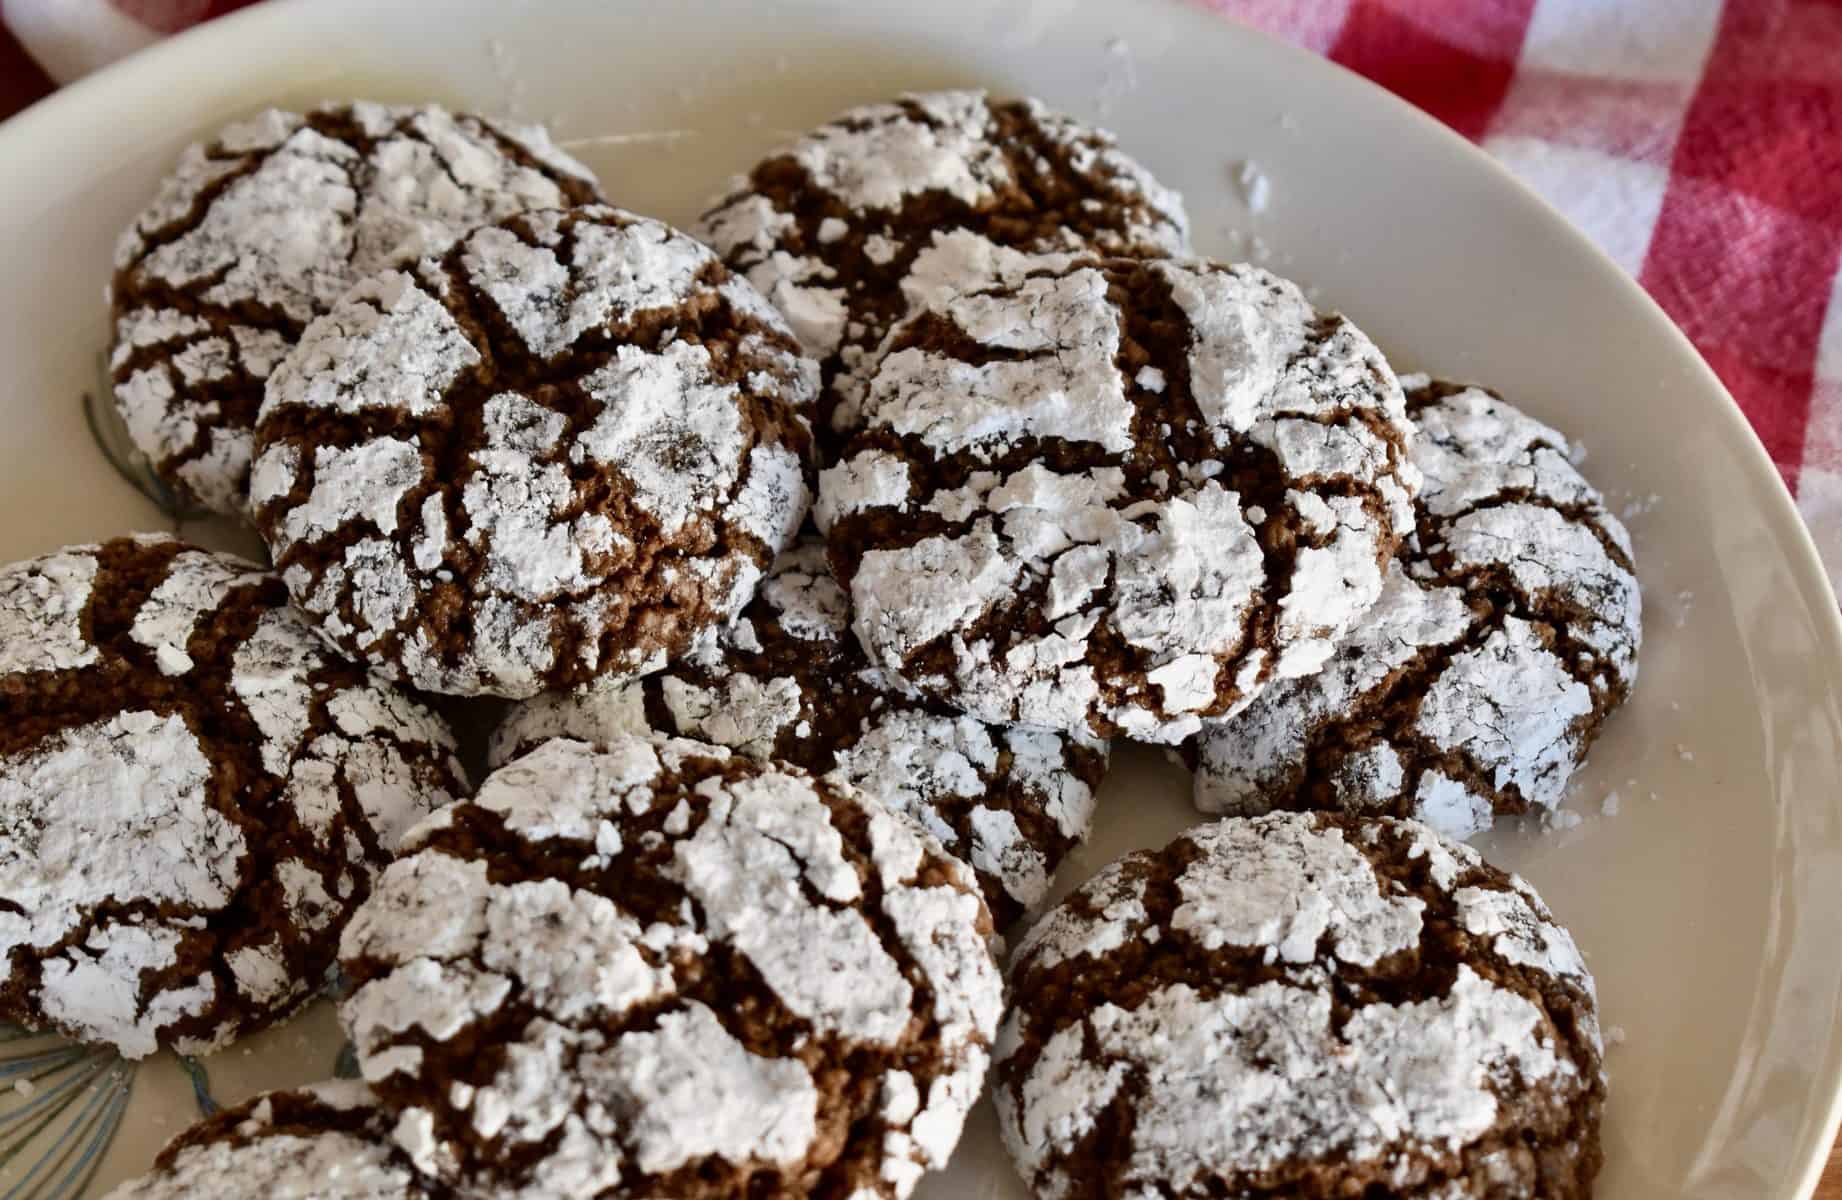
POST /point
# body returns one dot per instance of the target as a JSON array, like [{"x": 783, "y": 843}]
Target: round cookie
[
  {"x": 788, "y": 681},
  {"x": 564, "y": 449},
  {"x": 1507, "y": 633},
  {"x": 1302, "y": 1005},
  {"x": 261, "y": 229},
  {"x": 1118, "y": 496},
  {"x": 194, "y": 795},
  {"x": 831, "y": 227},
  {"x": 322, "y": 1142},
  {"x": 662, "y": 970}
]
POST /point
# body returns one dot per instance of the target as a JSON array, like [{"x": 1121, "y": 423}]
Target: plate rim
[{"x": 60, "y": 116}]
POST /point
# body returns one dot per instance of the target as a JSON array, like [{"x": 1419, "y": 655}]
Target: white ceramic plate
[{"x": 1708, "y": 902}]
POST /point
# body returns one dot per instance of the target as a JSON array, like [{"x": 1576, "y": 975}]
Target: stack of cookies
[{"x": 822, "y": 552}]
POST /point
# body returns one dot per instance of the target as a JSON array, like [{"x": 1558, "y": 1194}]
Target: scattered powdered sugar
[
  {"x": 570, "y": 513},
  {"x": 868, "y": 480},
  {"x": 515, "y": 502},
  {"x": 457, "y": 940},
  {"x": 1255, "y": 184},
  {"x": 1546, "y": 552},
  {"x": 1442, "y": 666},
  {"x": 1169, "y": 563},
  {"x": 1057, "y": 1105},
  {"x": 746, "y": 714},
  {"x": 919, "y": 763},
  {"x": 805, "y": 599},
  {"x": 627, "y": 269},
  {"x": 775, "y": 499}
]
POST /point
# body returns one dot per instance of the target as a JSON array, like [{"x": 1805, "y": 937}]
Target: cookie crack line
[{"x": 1586, "y": 514}]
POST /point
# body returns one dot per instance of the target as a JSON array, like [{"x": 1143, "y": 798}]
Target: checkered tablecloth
[{"x": 1698, "y": 141}]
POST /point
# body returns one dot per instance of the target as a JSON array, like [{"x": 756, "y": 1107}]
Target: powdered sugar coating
[
  {"x": 1032, "y": 533},
  {"x": 42, "y": 602},
  {"x": 327, "y": 1139},
  {"x": 1289, "y": 888},
  {"x": 789, "y": 682},
  {"x": 262, "y": 229},
  {"x": 832, "y": 227},
  {"x": 566, "y": 449},
  {"x": 649, "y": 1060},
  {"x": 1317, "y": 1029},
  {"x": 190, "y": 806},
  {"x": 1507, "y": 632}
]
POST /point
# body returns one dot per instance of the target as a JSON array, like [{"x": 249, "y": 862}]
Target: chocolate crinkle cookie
[
  {"x": 1507, "y": 633},
  {"x": 564, "y": 449},
  {"x": 1116, "y": 496},
  {"x": 329, "y": 1141},
  {"x": 831, "y": 227},
  {"x": 661, "y": 970},
  {"x": 1304, "y": 1005},
  {"x": 262, "y": 229},
  {"x": 194, "y": 795},
  {"x": 787, "y": 681}
]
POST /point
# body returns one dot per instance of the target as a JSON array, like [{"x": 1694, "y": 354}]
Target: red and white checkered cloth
[{"x": 1698, "y": 141}]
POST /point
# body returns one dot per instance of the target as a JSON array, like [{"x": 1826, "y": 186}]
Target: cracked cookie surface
[
  {"x": 833, "y": 228},
  {"x": 788, "y": 681},
  {"x": 1507, "y": 634},
  {"x": 262, "y": 229},
  {"x": 324, "y": 1141},
  {"x": 1307, "y": 1005},
  {"x": 564, "y": 449},
  {"x": 1117, "y": 496},
  {"x": 658, "y": 969},
  {"x": 194, "y": 795}
]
